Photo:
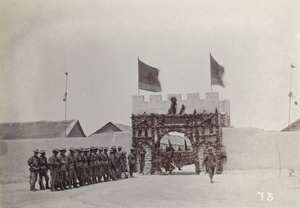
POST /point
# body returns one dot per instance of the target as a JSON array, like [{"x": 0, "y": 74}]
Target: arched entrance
[{"x": 202, "y": 129}]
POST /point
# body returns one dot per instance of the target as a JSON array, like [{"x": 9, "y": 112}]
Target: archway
[{"x": 202, "y": 129}]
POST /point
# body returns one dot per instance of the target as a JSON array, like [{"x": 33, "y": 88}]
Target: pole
[
  {"x": 290, "y": 93},
  {"x": 279, "y": 157},
  {"x": 66, "y": 94}
]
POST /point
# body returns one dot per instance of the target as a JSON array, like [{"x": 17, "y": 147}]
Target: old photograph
[{"x": 162, "y": 103}]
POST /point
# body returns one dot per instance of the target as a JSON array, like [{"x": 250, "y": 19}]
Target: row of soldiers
[{"x": 82, "y": 166}]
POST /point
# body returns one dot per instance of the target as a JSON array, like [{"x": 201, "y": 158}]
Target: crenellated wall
[{"x": 193, "y": 102}]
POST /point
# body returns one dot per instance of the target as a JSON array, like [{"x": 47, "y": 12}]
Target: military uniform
[
  {"x": 43, "y": 163},
  {"x": 112, "y": 159},
  {"x": 79, "y": 167},
  {"x": 54, "y": 169},
  {"x": 131, "y": 161},
  {"x": 119, "y": 162},
  {"x": 210, "y": 161},
  {"x": 71, "y": 158},
  {"x": 106, "y": 164},
  {"x": 34, "y": 167},
  {"x": 85, "y": 166},
  {"x": 63, "y": 171},
  {"x": 100, "y": 167}
]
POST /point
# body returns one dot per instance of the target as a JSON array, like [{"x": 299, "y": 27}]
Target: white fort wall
[
  {"x": 193, "y": 102},
  {"x": 246, "y": 149}
]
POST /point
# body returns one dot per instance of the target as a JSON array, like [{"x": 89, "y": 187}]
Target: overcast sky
[{"x": 98, "y": 42}]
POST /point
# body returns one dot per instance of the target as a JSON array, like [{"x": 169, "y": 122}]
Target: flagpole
[
  {"x": 66, "y": 94},
  {"x": 290, "y": 93}
]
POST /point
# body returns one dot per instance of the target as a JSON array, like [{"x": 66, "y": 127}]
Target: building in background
[
  {"x": 40, "y": 130},
  {"x": 293, "y": 127}
]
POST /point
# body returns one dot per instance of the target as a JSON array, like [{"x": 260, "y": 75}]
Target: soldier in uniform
[
  {"x": 100, "y": 168},
  {"x": 210, "y": 161},
  {"x": 71, "y": 168},
  {"x": 92, "y": 165},
  {"x": 119, "y": 162},
  {"x": 112, "y": 158},
  {"x": 53, "y": 162},
  {"x": 34, "y": 167},
  {"x": 79, "y": 166},
  {"x": 43, "y": 170},
  {"x": 96, "y": 165},
  {"x": 63, "y": 172},
  {"x": 84, "y": 158},
  {"x": 131, "y": 162},
  {"x": 106, "y": 164}
]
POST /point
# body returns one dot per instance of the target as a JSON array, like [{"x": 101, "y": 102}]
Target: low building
[
  {"x": 40, "y": 130},
  {"x": 295, "y": 126}
]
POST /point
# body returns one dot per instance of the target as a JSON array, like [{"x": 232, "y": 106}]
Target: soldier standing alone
[
  {"x": 210, "y": 161},
  {"x": 33, "y": 163}
]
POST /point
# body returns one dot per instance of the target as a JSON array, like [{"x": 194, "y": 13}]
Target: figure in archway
[
  {"x": 142, "y": 152},
  {"x": 168, "y": 160},
  {"x": 178, "y": 159}
]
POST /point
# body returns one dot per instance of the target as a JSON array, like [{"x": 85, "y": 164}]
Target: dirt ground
[{"x": 252, "y": 188}]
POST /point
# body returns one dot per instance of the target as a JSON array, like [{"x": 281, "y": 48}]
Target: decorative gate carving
[{"x": 202, "y": 129}]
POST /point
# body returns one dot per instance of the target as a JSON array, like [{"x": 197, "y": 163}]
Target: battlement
[{"x": 157, "y": 105}]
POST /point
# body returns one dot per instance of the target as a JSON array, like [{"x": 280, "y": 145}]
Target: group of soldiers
[{"x": 81, "y": 167}]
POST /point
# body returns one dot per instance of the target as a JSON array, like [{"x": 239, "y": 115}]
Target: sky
[{"x": 98, "y": 42}]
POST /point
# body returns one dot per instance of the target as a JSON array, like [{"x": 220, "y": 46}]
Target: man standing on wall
[
  {"x": 210, "y": 161},
  {"x": 33, "y": 163}
]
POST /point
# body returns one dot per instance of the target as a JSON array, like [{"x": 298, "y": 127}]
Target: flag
[
  {"x": 170, "y": 146},
  {"x": 185, "y": 146},
  {"x": 148, "y": 78},
  {"x": 216, "y": 72}
]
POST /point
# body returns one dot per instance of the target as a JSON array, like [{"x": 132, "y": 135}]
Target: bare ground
[{"x": 181, "y": 189}]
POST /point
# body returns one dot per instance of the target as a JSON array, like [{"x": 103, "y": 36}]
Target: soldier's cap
[
  {"x": 209, "y": 148},
  {"x": 42, "y": 151},
  {"x": 101, "y": 148},
  {"x": 86, "y": 149},
  {"x": 77, "y": 149},
  {"x": 92, "y": 148},
  {"x": 81, "y": 149},
  {"x": 105, "y": 148},
  {"x": 111, "y": 151},
  {"x": 36, "y": 150},
  {"x": 120, "y": 147},
  {"x": 55, "y": 150},
  {"x": 72, "y": 149},
  {"x": 63, "y": 150}
]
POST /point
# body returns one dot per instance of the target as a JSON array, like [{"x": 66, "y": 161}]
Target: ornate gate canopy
[{"x": 203, "y": 129}]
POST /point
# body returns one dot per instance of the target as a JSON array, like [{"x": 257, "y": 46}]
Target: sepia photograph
[{"x": 162, "y": 103}]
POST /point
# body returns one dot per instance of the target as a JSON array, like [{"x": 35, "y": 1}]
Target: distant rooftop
[{"x": 40, "y": 129}]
